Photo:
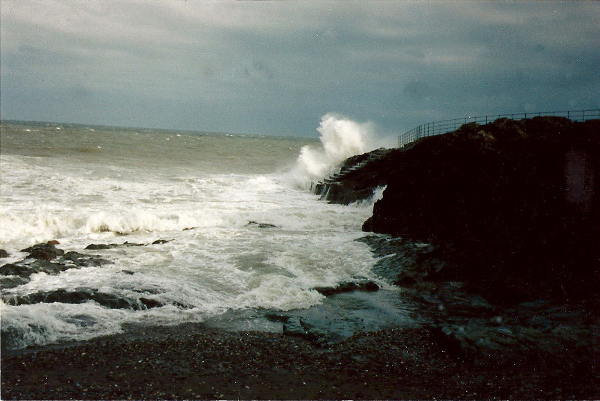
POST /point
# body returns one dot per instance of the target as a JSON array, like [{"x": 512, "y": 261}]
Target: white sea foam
[
  {"x": 214, "y": 260},
  {"x": 43, "y": 323}
]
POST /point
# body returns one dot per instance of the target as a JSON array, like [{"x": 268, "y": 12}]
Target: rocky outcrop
[
  {"x": 513, "y": 207},
  {"x": 348, "y": 287},
  {"x": 357, "y": 178},
  {"x": 47, "y": 258},
  {"x": 47, "y": 251},
  {"x": 78, "y": 296}
]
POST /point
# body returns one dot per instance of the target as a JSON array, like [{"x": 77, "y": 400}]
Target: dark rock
[
  {"x": 30, "y": 265},
  {"x": 403, "y": 261},
  {"x": 150, "y": 303},
  {"x": 160, "y": 241},
  {"x": 348, "y": 287},
  {"x": 449, "y": 339},
  {"x": 4, "y": 254},
  {"x": 27, "y": 268},
  {"x": 273, "y": 317},
  {"x": 81, "y": 260},
  {"x": 14, "y": 269},
  {"x": 126, "y": 243},
  {"x": 97, "y": 247},
  {"x": 357, "y": 179},
  {"x": 405, "y": 280},
  {"x": 479, "y": 336},
  {"x": 512, "y": 206},
  {"x": 370, "y": 286},
  {"x": 107, "y": 300},
  {"x": 45, "y": 251},
  {"x": 261, "y": 225},
  {"x": 297, "y": 327},
  {"x": 12, "y": 282}
]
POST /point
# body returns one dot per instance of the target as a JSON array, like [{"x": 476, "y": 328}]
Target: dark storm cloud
[{"x": 277, "y": 67}]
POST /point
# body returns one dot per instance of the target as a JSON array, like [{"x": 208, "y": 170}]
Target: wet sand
[{"x": 178, "y": 363}]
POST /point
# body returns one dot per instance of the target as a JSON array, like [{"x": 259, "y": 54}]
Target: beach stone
[{"x": 4, "y": 254}]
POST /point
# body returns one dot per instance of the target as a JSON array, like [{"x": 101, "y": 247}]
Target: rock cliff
[{"x": 511, "y": 207}]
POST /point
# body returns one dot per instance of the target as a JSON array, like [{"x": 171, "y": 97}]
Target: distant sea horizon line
[{"x": 155, "y": 129}]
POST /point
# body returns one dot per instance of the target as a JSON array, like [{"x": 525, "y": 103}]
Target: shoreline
[{"x": 197, "y": 363}]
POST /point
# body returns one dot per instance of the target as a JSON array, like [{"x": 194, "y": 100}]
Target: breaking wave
[{"x": 341, "y": 138}]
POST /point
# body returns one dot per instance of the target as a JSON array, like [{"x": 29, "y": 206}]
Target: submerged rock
[
  {"x": 12, "y": 281},
  {"x": 26, "y": 268},
  {"x": 261, "y": 225},
  {"x": 79, "y": 296},
  {"x": 99, "y": 247},
  {"x": 348, "y": 287},
  {"x": 81, "y": 260},
  {"x": 299, "y": 327}
]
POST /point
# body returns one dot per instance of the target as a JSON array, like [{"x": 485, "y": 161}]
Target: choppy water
[{"x": 81, "y": 185}]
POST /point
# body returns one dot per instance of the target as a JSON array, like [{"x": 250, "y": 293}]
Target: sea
[{"x": 231, "y": 233}]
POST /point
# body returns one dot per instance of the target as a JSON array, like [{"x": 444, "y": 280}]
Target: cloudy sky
[{"x": 276, "y": 67}]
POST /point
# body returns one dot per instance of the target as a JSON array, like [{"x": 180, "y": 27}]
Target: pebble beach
[{"x": 196, "y": 363}]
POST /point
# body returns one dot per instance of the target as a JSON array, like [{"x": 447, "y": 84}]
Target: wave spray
[{"x": 341, "y": 138}]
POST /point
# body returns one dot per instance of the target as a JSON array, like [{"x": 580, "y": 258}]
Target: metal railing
[{"x": 444, "y": 126}]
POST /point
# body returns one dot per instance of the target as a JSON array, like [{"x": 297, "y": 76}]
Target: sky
[{"x": 275, "y": 68}]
